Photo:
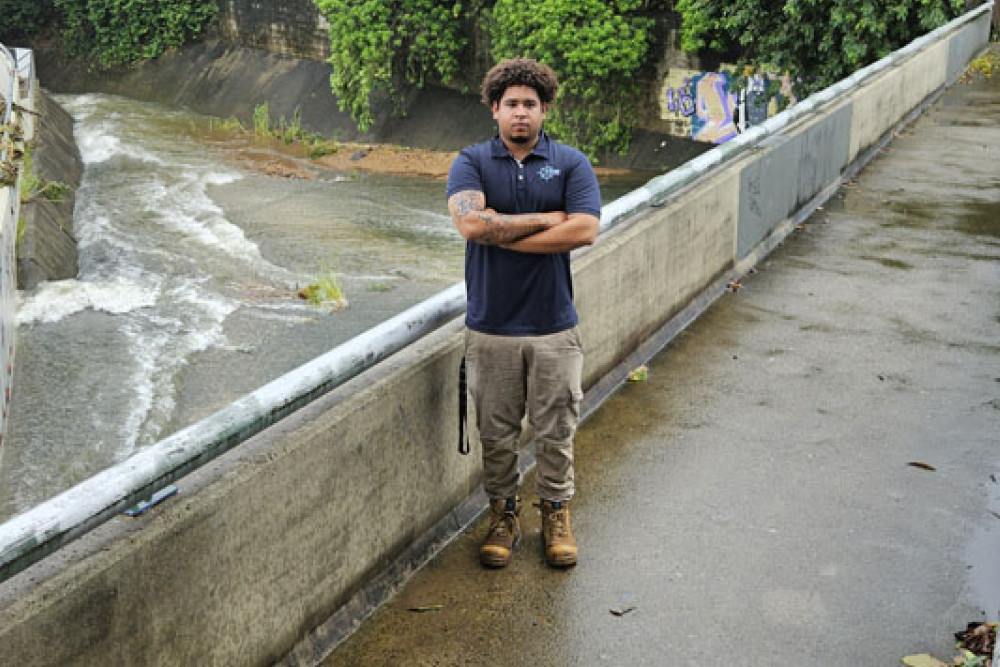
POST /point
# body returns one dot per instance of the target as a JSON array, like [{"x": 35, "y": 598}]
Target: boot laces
[
  {"x": 557, "y": 522},
  {"x": 502, "y": 524},
  {"x": 556, "y": 519}
]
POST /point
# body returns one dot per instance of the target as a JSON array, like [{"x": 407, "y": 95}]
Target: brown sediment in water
[{"x": 274, "y": 157}]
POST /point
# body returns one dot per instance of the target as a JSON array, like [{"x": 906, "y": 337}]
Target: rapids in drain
[{"x": 185, "y": 298}]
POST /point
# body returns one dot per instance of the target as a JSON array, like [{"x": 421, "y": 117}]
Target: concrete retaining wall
[
  {"x": 17, "y": 89},
  {"x": 290, "y": 27},
  {"x": 251, "y": 562},
  {"x": 47, "y": 248}
]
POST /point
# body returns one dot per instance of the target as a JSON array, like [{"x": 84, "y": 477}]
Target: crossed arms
[{"x": 550, "y": 232}]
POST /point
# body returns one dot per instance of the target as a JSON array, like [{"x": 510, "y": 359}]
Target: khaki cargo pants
[{"x": 541, "y": 375}]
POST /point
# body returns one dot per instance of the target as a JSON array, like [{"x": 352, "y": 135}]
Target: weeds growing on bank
[
  {"x": 31, "y": 186},
  {"x": 288, "y": 130},
  {"x": 325, "y": 290},
  {"x": 35, "y": 187},
  {"x": 262, "y": 120},
  {"x": 988, "y": 65},
  {"x": 231, "y": 124}
]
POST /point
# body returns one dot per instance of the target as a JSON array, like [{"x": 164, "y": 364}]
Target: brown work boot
[
  {"x": 560, "y": 546},
  {"x": 504, "y": 532}
]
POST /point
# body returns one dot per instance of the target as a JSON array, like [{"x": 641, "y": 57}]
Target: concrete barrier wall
[
  {"x": 259, "y": 555},
  {"x": 289, "y": 27},
  {"x": 791, "y": 168},
  {"x": 266, "y": 543},
  {"x": 17, "y": 87},
  {"x": 47, "y": 247},
  {"x": 640, "y": 274}
]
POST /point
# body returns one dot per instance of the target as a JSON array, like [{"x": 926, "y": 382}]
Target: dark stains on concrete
[
  {"x": 752, "y": 499},
  {"x": 981, "y": 218}
]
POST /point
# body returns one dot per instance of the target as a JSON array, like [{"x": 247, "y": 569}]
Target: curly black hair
[{"x": 519, "y": 72}]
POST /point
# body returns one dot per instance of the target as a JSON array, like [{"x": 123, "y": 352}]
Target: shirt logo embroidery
[{"x": 548, "y": 172}]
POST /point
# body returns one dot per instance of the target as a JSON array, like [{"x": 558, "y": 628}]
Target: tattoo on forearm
[
  {"x": 498, "y": 229},
  {"x": 467, "y": 201}
]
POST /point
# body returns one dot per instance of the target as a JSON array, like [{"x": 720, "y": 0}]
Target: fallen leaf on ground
[
  {"x": 428, "y": 607},
  {"x": 923, "y": 660},
  {"x": 921, "y": 464},
  {"x": 640, "y": 374},
  {"x": 622, "y": 611},
  {"x": 978, "y": 637}
]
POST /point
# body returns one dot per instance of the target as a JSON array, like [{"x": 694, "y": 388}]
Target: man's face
[{"x": 519, "y": 115}]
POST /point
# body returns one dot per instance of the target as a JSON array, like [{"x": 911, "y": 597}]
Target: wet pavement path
[{"x": 753, "y": 501}]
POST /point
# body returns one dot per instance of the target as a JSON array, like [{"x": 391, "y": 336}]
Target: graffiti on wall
[{"x": 700, "y": 105}]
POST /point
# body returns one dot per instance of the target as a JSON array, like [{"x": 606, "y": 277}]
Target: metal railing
[
  {"x": 10, "y": 62},
  {"x": 32, "y": 535}
]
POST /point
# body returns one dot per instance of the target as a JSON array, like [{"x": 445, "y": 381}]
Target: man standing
[{"x": 522, "y": 202}]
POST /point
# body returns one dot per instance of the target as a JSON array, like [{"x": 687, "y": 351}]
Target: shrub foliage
[
  {"x": 110, "y": 32},
  {"x": 596, "y": 47},
  {"x": 818, "y": 42},
  {"x": 381, "y": 45},
  {"x": 120, "y": 32},
  {"x": 23, "y": 17}
]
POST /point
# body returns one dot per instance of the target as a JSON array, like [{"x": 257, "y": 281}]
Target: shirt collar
[{"x": 541, "y": 149}]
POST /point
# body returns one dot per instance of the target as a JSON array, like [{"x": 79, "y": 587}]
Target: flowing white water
[
  {"x": 185, "y": 298},
  {"x": 152, "y": 246},
  {"x": 175, "y": 309}
]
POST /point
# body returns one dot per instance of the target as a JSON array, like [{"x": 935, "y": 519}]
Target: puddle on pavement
[
  {"x": 890, "y": 263},
  {"x": 981, "y": 219},
  {"x": 981, "y": 557}
]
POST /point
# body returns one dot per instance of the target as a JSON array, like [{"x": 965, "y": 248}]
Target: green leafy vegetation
[
  {"x": 595, "y": 47},
  {"x": 31, "y": 187},
  {"x": 382, "y": 48},
  {"x": 231, "y": 124},
  {"x": 327, "y": 290},
  {"x": 318, "y": 148},
  {"x": 262, "y": 120},
  {"x": 121, "y": 32},
  {"x": 288, "y": 131},
  {"x": 23, "y": 17},
  {"x": 34, "y": 187},
  {"x": 378, "y": 46},
  {"x": 987, "y": 65},
  {"x": 818, "y": 42},
  {"x": 291, "y": 130}
]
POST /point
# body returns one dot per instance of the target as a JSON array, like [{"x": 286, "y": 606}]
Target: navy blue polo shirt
[{"x": 512, "y": 293}]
